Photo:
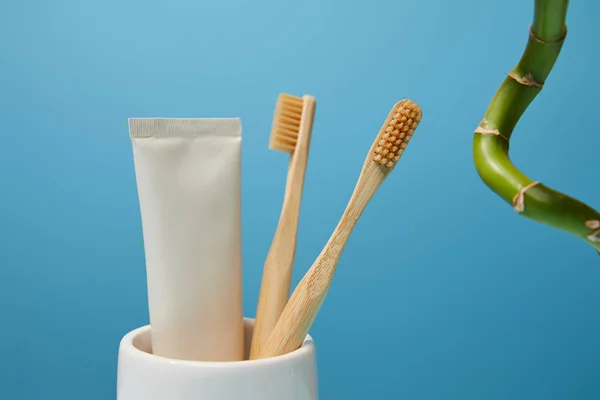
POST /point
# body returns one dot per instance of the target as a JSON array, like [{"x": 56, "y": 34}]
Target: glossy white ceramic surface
[{"x": 144, "y": 376}]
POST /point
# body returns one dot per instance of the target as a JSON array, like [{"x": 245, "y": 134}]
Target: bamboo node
[
  {"x": 592, "y": 224},
  {"x": 537, "y": 39},
  {"x": 519, "y": 198},
  {"x": 594, "y": 236},
  {"x": 488, "y": 131},
  {"x": 527, "y": 80}
]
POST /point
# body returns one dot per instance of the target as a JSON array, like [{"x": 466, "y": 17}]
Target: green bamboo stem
[{"x": 491, "y": 140}]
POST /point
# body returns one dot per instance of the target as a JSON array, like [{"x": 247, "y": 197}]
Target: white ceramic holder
[{"x": 144, "y": 376}]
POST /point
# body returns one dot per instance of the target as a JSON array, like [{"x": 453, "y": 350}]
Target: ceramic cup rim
[{"x": 130, "y": 350}]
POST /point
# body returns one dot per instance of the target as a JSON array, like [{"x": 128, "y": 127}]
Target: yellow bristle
[
  {"x": 286, "y": 123},
  {"x": 395, "y": 135}
]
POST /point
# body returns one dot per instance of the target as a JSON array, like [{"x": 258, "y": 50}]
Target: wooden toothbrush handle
[
  {"x": 301, "y": 310},
  {"x": 303, "y": 306},
  {"x": 277, "y": 271},
  {"x": 298, "y": 315},
  {"x": 274, "y": 290}
]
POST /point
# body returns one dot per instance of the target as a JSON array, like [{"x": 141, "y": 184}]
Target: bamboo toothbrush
[
  {"x": 291, "y": 132},
  {"x": 306, "y": 300}
]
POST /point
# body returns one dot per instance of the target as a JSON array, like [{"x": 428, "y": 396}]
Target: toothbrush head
[
  {"x": 286, "y": 123},
  {"x": 396, "y": 133}
]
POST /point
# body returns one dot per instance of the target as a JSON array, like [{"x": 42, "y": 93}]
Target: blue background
[{"x": 442, "y": 291}]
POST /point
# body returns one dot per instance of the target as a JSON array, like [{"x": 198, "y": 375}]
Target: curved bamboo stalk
[{"x": 491, "y": 140}]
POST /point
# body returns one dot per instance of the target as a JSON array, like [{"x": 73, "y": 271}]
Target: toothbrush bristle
[
  {"x": 396, "y": 133},
  {"x": 286, "y": 123}
]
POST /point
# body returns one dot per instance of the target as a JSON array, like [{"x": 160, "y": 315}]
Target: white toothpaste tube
[{"x": 188, "y": 173}]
